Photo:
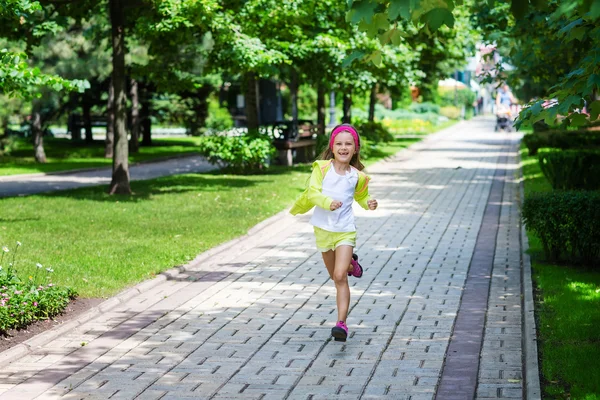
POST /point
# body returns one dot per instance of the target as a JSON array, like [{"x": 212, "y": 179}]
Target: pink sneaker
[
  {"x": 340, "y": 331},
  {"x": 357, "y": 270}
]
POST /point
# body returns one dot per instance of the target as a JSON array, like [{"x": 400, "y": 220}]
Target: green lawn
[
  {"x": 99, "y": 244},
  {"x": 64, "y": 155},
  {"x": 568, "y": 314}
]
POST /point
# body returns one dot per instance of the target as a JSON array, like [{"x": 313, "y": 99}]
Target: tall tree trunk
[
  {"x": 134, "y": 144},
  {"x": 38, "y": 136},
  {"x": 347, "y": 106},
  {"x": 110, "y": 122},
  {"x": 87, "y": 118},
  {"x": 372, "y": 101},
  {"x": 120, "y": 173},
  {"x": 320, "y": 109},
  {"x": 251, "y": 102},
  {"x": 146, "y": 123}
]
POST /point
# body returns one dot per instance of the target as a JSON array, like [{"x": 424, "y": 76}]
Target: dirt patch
[{"x": 75, "y": 308}]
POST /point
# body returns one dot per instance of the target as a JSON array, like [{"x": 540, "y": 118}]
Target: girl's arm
[
  {"x": 361, "y": 195},
  {"x": 315, "y": 187}
]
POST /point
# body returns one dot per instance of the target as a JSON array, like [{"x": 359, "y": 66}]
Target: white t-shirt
[{"x": 341, "y": 188}]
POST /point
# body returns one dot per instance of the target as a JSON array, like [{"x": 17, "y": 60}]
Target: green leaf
[
  {"x": 565, "y": 105},
  {"x": 593, "y": 82},
  {"x": 595, "y": 10},
  {"x": 381, "y": 22},
  {"x": 396, "y": 37},
  {"x": 376, "y": 58},
  {"x": 565, "y": 30},
  {"x": 399, "y": 8},
  {"x": 438, "y": 17},
  {"x": 364, "y": 10},
  {"x": 578, "y": 119},
  {"x": 594, "y": 109},
  {"x": 353, "y": 56},
  {"x": 577, "y": 33}
]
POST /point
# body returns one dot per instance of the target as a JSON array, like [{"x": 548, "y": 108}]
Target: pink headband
[{"x": 344, "y": 128}]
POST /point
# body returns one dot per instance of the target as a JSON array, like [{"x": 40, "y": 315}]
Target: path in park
[
  {"x": 20, "y": 185},
  {"x": 438, "y": 313}
]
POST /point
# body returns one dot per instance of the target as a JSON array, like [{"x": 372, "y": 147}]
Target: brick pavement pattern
[{"x": 253, "y": 321}]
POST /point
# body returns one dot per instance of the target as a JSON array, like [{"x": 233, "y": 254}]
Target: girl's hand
[
  {"x": 372, "y": 204},
  {"x": 335, "y": 205}
]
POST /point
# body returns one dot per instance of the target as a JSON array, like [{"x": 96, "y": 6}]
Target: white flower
[
  {"x": 5, "y": 249},
  {"x": 49, "y": 270},
  {"x": 38, "y": 265},
  {"x": 18, "y": 243}
]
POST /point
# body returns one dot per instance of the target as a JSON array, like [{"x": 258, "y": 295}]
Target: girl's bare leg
[
  {"x": 329, "y": 260},
  {"x": 343, "y": 255}
]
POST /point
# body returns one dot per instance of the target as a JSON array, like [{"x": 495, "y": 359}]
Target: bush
[
  {"x": 450, "y": 112},
  {"x": 374, "y": 131},
  {"x": 461, "y": 97},
  {"x": 561, "y": 140},
  {"x": 243, "y": 153},
  {"x": 425, "y": 107},
  {"x": 7, "y": 145},
  {"x": 572, "y": 169},
  {"x": 566, "y": 223},
  {"x": 219, "y": 119},
  {"x": 23, "y": 301}
]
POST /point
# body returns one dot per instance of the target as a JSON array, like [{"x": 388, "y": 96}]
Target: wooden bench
[
  {"x": 294, "y": 142},
  {"x": 76, "y": 122}
]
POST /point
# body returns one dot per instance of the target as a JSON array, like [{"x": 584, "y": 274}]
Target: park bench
[
  {"x": 294, "y": 141},
  {"x": 76, "y": 122}
]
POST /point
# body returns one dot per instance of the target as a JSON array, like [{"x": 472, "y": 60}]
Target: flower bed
[{"x": 23, "y": 301}]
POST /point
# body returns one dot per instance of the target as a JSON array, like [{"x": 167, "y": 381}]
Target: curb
[
  {"x": 30, "y": 345},
  {"x": 532, "y": 389},
  {"x": 6, "y": 178}
]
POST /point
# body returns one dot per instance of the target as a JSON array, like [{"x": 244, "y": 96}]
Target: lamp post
[{"x": 332, "y": 108}]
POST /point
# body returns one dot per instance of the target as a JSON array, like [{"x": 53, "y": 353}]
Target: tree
[{"x": 17, "y": 78}]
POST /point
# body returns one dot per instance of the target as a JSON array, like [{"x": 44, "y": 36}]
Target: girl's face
[{"x": 344, "y": 147}]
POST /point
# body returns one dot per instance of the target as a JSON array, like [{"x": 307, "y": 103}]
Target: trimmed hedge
[
  {"x": 561, "y": 140},
  {"x": 567, "y": 223},
  {"x": 571, "y": 169}
]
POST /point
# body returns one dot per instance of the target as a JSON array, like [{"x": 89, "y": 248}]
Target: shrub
[
  {"x": 561, "y": 140},
  {"x": 23, "y": 301},
  {"x": 7, "y": 145},
  {"x": 425, "y": 107},
  {"x": 566, "y": 223},
  {"x": 450, "y": 112},
  {"x": 375, "y": 132},
  {"x": 458, "y": 98},
  {"x": 219, "y": 119},
  {"x": 243, "y": 153},
  {"x": 572, "y": 169}
]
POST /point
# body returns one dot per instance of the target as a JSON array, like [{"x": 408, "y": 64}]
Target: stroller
[{"x": 504, "y": 119}]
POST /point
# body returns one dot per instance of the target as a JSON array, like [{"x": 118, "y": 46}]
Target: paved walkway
[
  {"x": 21, "y": 185},
  {"x": 437, "y": 314}
]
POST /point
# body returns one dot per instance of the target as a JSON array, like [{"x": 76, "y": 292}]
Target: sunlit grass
[
  {"x": 568, "y": 314},
  {"x": 99, "y": 244}
]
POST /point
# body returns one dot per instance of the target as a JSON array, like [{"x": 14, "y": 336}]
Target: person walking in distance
[{"x": 336, "y": 181}]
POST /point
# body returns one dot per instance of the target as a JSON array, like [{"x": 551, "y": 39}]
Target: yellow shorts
[{"x": 327, "y": 240}]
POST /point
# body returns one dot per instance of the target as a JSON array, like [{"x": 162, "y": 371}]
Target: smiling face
[{"x": 344, "y": 147}]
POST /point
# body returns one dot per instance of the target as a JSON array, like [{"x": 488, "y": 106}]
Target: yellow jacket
[{"x": 313, "y": 196}]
